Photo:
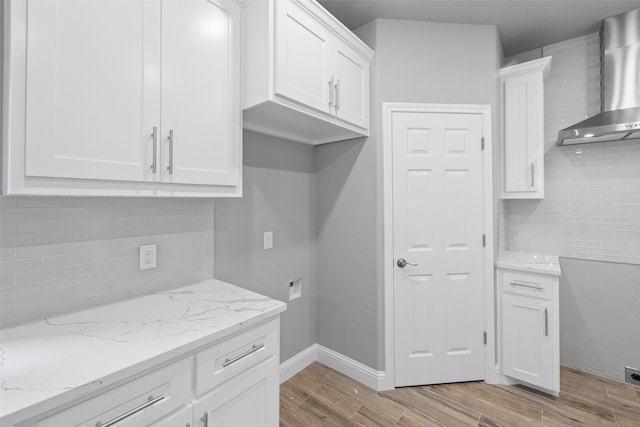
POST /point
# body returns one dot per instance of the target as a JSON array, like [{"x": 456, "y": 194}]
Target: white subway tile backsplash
[
  {"x": 68, "y": 213},
  {"x": 39, "y": 276},
  {"x": 63, "y": 254},
  {"x": 591, "y": 207},
  {"x": 7, "y": 214},
  {"x": 20, "y": 265},
  {"x": 41, "y": 202}
]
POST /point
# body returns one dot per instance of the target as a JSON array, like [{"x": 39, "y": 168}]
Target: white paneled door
[{"x": 438, "y": 230}]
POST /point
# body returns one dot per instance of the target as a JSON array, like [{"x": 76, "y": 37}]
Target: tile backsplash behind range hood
[{"x": 620, "y": 59}]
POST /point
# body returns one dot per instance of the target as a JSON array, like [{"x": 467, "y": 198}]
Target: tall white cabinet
[
  {"x": 122, "y": 97},
  {"x": 523, "y": 129}
]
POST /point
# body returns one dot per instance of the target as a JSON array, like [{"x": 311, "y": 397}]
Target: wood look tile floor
[{"x": 320, "y": 396}]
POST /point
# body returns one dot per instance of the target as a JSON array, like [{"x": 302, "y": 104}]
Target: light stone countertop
[
  {"x": 534, "y": 263},
  {"x": 51, "y": 362}
]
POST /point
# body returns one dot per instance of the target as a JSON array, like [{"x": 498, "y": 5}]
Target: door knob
[{"x": 402, "y": 263}]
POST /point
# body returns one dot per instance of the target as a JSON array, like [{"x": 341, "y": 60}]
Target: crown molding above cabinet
[{"x": 305, "y": 75}]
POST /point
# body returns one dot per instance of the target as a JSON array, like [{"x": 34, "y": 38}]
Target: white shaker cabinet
[
  {"x": 123, "y": 98},
  {"x": 250, "y": 399},
  {"x": 523, "y": 129},
  {"x": 530, "y": 329},
  {"x": 306, "y": 77}
]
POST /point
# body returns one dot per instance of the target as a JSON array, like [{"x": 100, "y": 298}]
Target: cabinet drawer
[
  {"x": 527, "y": 284},
  {"x": 137, "y": 403},
  {"x": 229, "y": 358}
]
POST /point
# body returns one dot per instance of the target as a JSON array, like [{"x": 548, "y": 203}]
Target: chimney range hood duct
[{"x": 620, "y": 119}]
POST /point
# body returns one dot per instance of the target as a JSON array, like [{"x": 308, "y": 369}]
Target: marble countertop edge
[
  {"x": 19, "y": 405},
  {"x": 534, "y": 263}
]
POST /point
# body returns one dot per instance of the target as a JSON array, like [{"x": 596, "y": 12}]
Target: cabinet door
[
  {"x": 352, "y": 85},
  {"x": 302, "y": 57},
  {"x": 250, "y": 399},
  {"x": 183, "y": 418},
  {"x": 92, "y": 88},
  {"x": 201, "y": 92},
  {"x": 528, "y": 339},
  {"x": 523, "y": 133}
]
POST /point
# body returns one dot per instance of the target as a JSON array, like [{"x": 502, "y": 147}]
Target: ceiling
[{"x": 522, "y": 24}]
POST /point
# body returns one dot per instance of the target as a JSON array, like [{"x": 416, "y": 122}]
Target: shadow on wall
[{"x": 334, "y": 162}]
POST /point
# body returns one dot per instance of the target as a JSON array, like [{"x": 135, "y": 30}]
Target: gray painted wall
[
  {"x": 279, "y": 196},
  {"x": 599, "y": 316},
  {"x": 414, "y": 62}
]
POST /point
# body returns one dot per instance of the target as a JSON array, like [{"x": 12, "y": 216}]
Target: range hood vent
[{"x": 620, "y": 59}]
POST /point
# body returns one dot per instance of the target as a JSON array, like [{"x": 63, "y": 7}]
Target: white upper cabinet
[
  {"x": 200, "y": 86},
  {"x": 523, "y": 129},
  {"x": 351, "y": 86},
  {"x": 302, "y": 58},
  {"x": 306, "y": 77},
  {"x": 136, "y": 97},
  {"x": 90, "y": 108}
]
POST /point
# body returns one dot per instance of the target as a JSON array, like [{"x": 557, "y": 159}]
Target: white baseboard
[
  {"x": 297, "y": 363},
  {"x": 343, "y": 364}
]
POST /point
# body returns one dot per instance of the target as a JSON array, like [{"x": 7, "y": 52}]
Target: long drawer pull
[
  {"x": 528, "y": 286},
  {"x": 253, "y": 349},
  {"x": 546, "y": 322},
  {"x": 152, "y": 400}
]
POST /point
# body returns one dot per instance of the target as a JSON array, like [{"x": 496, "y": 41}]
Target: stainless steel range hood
[{"x": 620, "y": 59}]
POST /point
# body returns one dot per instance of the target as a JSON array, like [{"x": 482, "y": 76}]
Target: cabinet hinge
[
  {"x": 484, "y": 240},
  {"x": 482, "y": 143},
  {"x": 485, "y": 337}
]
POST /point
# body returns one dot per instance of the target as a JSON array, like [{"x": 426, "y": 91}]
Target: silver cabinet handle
[
  {"x": 331, "y": 93},
  {"x": 205, "y": 419},
  {"x": 402, "y": 263},
  {"x": 253, "y": 349},
  {"x": 337, "y": 88},
  {"x": 170, "y": 167},
  {"x": 152, "y": 400},
  {"x": 154, "y": 137},
  {"x": 533, "y": 174},
  {"x": 528, "y": 286},
  {"x": 546, "y": 322}
]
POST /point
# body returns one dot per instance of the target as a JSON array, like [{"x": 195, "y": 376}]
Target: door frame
[{"x": 492, "y": 375}]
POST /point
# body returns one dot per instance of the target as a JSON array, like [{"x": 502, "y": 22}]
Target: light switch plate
[
  {"x": 268, "y": 239},
  {"x": 148, "y": 256}
]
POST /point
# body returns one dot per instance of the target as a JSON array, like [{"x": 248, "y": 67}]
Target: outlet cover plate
[
  {"x": 148, "y": 256},
  {"x": 268, "y": 240},
  {"x": 632, "y": 375}
]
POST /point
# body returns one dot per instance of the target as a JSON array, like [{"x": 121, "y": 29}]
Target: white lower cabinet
[
  {"x": 250, "y": 399},
  {"x": 234, "y": 382},
  {"x": 182, "y": 418},
  {"x": 138, "y": 403},
  {"x": 530, "y": 329}
]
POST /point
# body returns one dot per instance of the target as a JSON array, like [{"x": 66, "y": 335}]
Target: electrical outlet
[
  {"x": 268, "y": 240},
  {"x": 295, "y": 289},
  {"x": 632, "y": 375},
  {"x": 148, "y": 255}
]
